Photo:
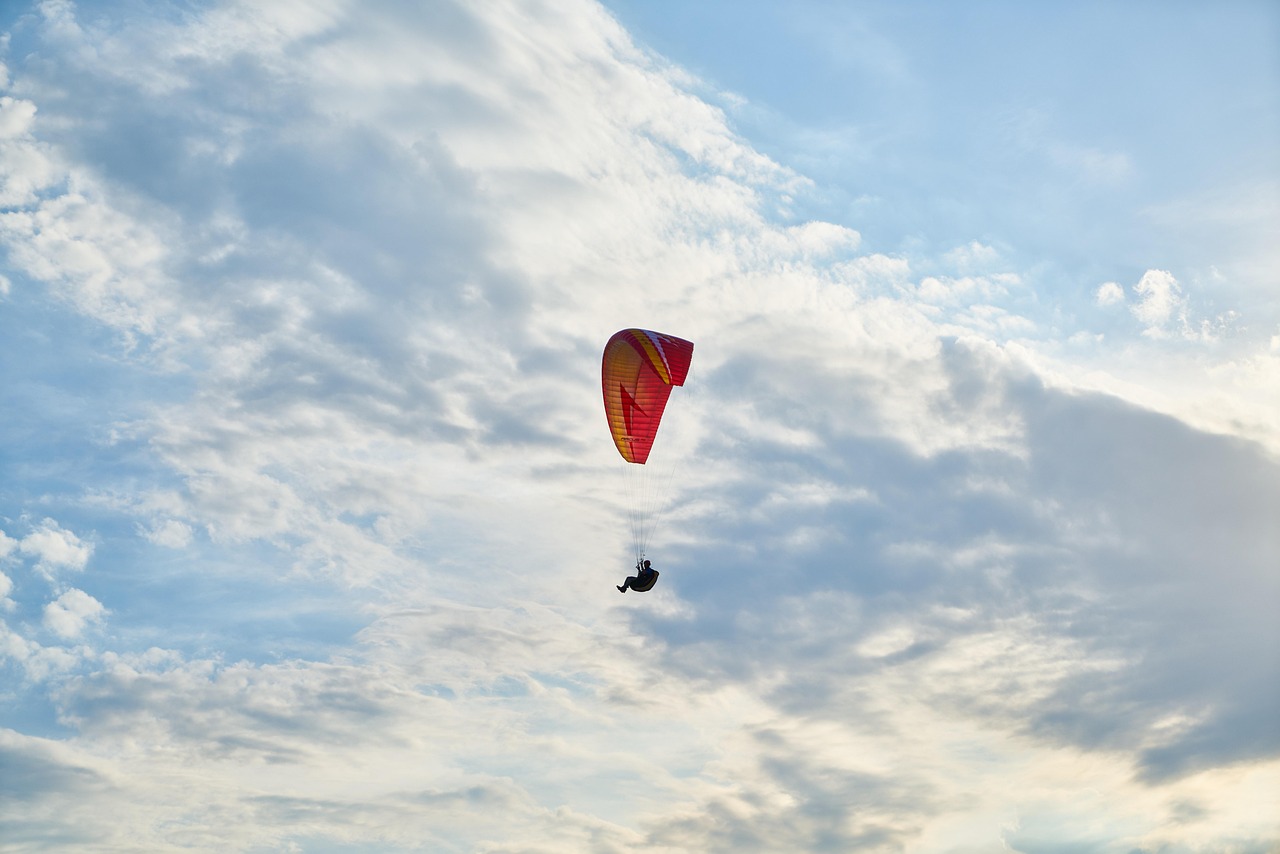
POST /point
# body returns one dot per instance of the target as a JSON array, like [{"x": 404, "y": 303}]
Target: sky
[{"x": 310, "y": 521}]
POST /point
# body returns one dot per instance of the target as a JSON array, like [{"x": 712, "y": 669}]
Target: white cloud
[
  {"x": 819, "y": 239},
  {"x": 69, "y": 614},
  {"x": 1160, "y": 300},
  {"x": 54, "y": 548},
  {"x": 965, "y": 290},
  {"x": 1109, "y": 293},
  {"x": 38, "y": 663},
  {"x": 912, "y": 590},
  {"x": 170, "y": 533},
  {"x": 25, "y": 170},
  {"x": 16, "y": 116},
  {"x": 971, "y": 256}
]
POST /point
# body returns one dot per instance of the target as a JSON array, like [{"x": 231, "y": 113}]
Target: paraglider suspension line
[{"x": 648, "y": 498}]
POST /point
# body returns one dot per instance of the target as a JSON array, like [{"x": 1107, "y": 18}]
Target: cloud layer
[{"x": 311, "y": 298}]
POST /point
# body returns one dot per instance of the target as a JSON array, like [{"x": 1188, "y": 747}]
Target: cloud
[
  {"x": 1160, "y": 300},
  {"x": 916, "y": 586},
  {"x": 54, "y": 548},
  {"x": 15, "y": 117},
  {"x": 1033, "y": 132},
  {"x": 1109, "y": 293},
  {"x": 1237, "y": 218},
  {"x": 38, "y": 663},
  {"x": 26, "y": 167},
  {"x": 73, "y": 611},
  {"x": 170, "y": 533},
  {"x": 42, "y": 777},
  {"x": 973, "y": 255},
  {"x": 1108, "y": 551}
]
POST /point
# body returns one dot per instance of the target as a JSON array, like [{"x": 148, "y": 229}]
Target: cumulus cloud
[
  {"x": 15, "y": 116},
  {"x": 73, "y": 611},
  {"x": 26, "y": 167},
  {"x": 1160, "y": 300},
  {"x": 38, "y": 663},
  {"x": 1109, "y": 293},
  {"x": 54, "y": 549}
]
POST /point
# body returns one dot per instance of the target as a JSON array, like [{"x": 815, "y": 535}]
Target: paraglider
[
  {"x": 637, "y": 373},
  {"x": 644, "y": 579}
]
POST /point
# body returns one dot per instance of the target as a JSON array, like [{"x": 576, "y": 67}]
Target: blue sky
[
  {"x": 309, "y": 517},
  {"x": 990, "y": 111}
]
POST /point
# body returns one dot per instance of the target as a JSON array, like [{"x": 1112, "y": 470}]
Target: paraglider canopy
[{"x": 638, "y": 372}]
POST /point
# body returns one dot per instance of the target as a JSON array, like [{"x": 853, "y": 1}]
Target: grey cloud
[
  {"x": 39, "y": 834},
  {"x": 1190, "y": 588},
  {"x": 798, "y": 802},
  {"x": 37, "y": 788},
  {"x": 30, "y": 774},
  {"x": 278, "y": 715},
  {"x": 244, "y": 166},
  {"x": 1143, "y": 541},
  {"x": 396, "y": 220}
]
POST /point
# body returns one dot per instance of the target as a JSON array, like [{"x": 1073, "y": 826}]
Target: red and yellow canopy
[{"x": 638, "y": 372}]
